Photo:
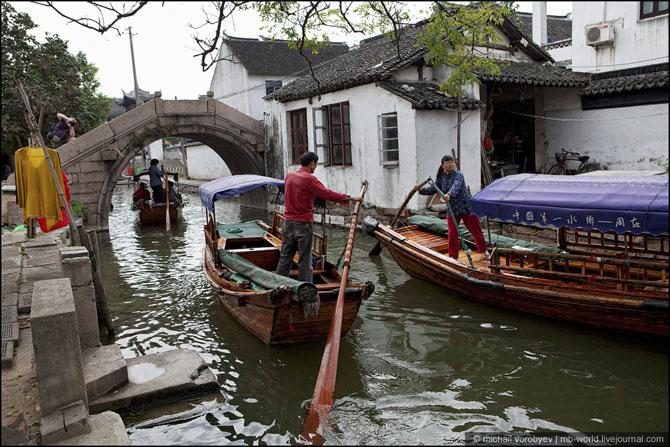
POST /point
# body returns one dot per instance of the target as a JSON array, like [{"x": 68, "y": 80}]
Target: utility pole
[{"x": 138, "y": 99}]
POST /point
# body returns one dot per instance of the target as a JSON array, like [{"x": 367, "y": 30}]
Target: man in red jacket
[{"x": 300, "y": 190}]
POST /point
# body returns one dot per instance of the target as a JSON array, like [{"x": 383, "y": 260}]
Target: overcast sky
[{"x": 163, "y": 44}]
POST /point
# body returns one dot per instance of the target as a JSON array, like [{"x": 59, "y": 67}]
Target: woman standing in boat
[{"x": 452, "y": 183}]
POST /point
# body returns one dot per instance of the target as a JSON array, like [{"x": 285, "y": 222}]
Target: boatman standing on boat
[
  {"x": 156, "y": 181},
  {"x": 301, "y": 188},
  {"x": 452, "y": 183}
]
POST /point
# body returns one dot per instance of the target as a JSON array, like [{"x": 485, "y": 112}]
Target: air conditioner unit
[{"x": 600, "y": 34}]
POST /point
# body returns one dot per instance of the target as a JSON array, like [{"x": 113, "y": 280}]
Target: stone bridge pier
[{"x": 95, "y": 160}]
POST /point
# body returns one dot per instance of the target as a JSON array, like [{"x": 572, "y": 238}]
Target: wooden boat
[
  {"x": 154, "y": 213},
  {"x": 239, "y": 261},
  {"x": 609, "y": 270}
]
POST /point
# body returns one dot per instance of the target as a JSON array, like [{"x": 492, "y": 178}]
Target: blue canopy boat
[
  {"x": 609, "y": 268},
  {"x": 239, "y": 261}
]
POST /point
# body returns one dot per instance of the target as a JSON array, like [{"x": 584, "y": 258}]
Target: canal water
[{"x": 418, "y": 366}]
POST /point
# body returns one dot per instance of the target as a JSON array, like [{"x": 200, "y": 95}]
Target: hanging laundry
[
  {"x": 64, "y": 220},
  {"x": 36, "y": 193}
]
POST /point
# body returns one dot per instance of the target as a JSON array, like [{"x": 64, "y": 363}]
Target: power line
[
  {"x": 579, "y": 119},
  {"x": 616, "y": 65}
]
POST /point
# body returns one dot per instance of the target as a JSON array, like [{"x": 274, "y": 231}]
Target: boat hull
[
  {"x": 280, "y": 320},
  {"x": 612, "y": 310},
  {"x": 156, "y": 215}
]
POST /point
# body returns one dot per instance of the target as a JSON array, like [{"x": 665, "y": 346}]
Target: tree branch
[{"x": 98, "y": 24}]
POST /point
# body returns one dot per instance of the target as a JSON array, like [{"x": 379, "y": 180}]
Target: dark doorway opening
[{"x": 513, "y": 136}]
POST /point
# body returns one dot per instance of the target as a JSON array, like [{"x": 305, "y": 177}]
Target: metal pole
[
  {"x": 37, "y": 136},
  {"x": 138, "y": 98}
]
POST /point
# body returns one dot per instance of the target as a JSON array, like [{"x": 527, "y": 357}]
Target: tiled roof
[
  {"x": 629, "y": 80},
  {"x": 376, "y": 59},
  {"x": 529, "y": 73},
  {"x": 426, "y": 95},
  {"x": 371, "y": 62},
  {"x": 274, "y": 57},
  {"x": 558, "y": 27},
  {"x": 558, "y": 44}
]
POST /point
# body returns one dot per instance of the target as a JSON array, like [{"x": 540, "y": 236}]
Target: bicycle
[{"x": 561, "y": 168}]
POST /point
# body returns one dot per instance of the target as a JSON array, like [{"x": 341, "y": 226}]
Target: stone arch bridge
[{"x": 95, "y": 160}]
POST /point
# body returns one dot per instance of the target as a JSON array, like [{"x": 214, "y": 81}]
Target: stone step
[
  {"x": 107, "y": 428},
  {"x": 65, "y": 423},
  {"x": 7, "y": 353},
  {"x": 9, "y": 314},
  {"x": 156, "y": 377},
  {"x": 105, "y": 370}
]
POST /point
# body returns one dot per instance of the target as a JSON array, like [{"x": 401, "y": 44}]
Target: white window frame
[
  {"x": 320, "y": 120},
  {"x": 380, "y": 128}
]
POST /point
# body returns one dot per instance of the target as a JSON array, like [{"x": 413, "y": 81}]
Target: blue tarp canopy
[
  {"x": 637, "y": 204},
  {"x": 232, "y": 186}
]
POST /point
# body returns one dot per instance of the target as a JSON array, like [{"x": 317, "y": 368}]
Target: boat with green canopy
[
  {"x": 608, "y": 268},
  {"x": 239, "y": 261}
]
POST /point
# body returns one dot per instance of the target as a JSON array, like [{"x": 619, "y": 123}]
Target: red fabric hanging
[{"x": 64, "y": 221}]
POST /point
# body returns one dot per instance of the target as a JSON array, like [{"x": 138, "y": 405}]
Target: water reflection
[{"x": 418, "y": 366}]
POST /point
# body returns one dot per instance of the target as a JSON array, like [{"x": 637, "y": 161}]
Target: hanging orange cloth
[
  {"x": 64, "y": 220},
  {"x": 36, "y": 193}
]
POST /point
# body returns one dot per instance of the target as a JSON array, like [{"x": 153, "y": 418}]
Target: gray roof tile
[
  {"x": 558, "y": 27},
  {"x": 529, "y": 73},
  {"x": 628, "y": 80},
  {"x": 274, "y": 57},
  {"x": 426, "y": 95}
]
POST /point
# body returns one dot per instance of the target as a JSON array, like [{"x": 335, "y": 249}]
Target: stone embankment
[{"x": 59, "y": 384}]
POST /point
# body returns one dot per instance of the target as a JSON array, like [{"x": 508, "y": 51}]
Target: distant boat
[
  {"x": 152, "y": 213},
  {"x": 239, "y": 260},
  {"x": 609, "y": 269}
]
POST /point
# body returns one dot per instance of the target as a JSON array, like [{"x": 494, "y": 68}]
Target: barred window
[
  {"x": 388, "y": 138},
  {"x": 271, "y": 86}
]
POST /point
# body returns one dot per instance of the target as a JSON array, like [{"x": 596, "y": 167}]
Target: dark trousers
[
  {"x": 297, "y": 237},
  {"x": 159, "y": 194}
]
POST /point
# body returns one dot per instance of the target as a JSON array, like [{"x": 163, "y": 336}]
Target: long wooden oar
[
  {"x": 322, "y": 400},
  {"x": 167, "y": 203},
  {"x": 451, "y": 213},
  {"x": 377, "y": 249}
]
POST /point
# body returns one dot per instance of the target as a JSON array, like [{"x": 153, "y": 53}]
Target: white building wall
[
  {"x": 433, "y": 132},
  {"x": 205, "y": 164},
  {"x": 230, "y": 82},
  {"x": 637, "y": 42},
  {"x": 156, "y": 150},
  {"x": 561, "y": 54},
  {"x": 623, "y": 138},
  {"x": 387, "y": 185}
]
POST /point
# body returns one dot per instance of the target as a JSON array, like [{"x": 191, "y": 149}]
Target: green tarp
[
  {"x": 439, "y": 226},
  {"x": 243, "y": 229},
  {"x": 304, "y": 292}
]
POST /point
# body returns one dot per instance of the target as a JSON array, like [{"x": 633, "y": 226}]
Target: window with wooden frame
[
  {"x": 387, "y": 126},
  {"x": 339, "y": 134},
  {"x": 653, "y": 9},
  {"x": 321, "y": 146},
  {"x": 298, "y": 132}
]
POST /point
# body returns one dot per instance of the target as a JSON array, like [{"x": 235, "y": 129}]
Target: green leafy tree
[{"x": 55, "y": 80}]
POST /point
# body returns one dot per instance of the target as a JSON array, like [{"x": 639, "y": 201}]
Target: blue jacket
[
  {"x": 155, "y": 176},
  {"x": 454, "y": 185}
]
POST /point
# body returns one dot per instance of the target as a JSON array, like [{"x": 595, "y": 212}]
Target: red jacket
[{"x": 300, "y": 190}]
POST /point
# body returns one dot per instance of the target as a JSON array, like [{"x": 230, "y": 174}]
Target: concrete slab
[
  {"x": 107, "y": 428},
  {"x": 39, "y": 242},
  {"x": 37, "y": 258},
  {"x": 9, "y": 314},
  {"x": 7, "y": 353},
  {"x": 73, "y": 252},
  {"x": 65, "y": 423},
  {"x": 50, "y": 271},
  {"x": 105, "y": 370},
  {"x": 78, "y": 270},
  {"x": 158, "y": 376},
  {"x": 10, "y": 299},
  {"x": 10, "y": 282},
  {"x": 11, "y": 237},
  {"x": 56, "y": 345}
]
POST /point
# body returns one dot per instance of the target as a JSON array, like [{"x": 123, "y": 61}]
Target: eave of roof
[
  {"x": 628, "y": 80},
  {"x": 426, "y": 95},
  {"x": 535, "y": 74}
]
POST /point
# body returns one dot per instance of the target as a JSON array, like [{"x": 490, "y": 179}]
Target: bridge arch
[{"x": 96, "y": 160}]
